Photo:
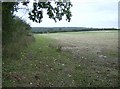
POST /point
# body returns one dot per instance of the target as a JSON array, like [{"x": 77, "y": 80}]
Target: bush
[{"x": 20, "y": 38}]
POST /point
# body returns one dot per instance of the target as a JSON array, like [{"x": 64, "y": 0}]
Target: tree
[
  {"x": 8, "y": 9},
  {"x": 12, "y": 27},
  {"x": 57, "y": 12}
]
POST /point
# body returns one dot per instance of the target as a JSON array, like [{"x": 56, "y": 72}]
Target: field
[{"x": 84, "y": 59}]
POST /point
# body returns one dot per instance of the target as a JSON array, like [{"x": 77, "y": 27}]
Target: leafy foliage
[
  {"x": 7, "y": 20},
  {"x": 57, "y": 12},
  {"x": 14, "y": 31}
]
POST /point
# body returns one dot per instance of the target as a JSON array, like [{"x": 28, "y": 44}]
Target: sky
[{"x": 85, "y": 13}]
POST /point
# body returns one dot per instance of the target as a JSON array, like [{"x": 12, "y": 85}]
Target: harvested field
[
  {"x": 68, "y": 59},
  {"x": 95, "y": 51}
]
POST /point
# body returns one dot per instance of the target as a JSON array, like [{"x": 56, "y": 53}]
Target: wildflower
[
  {"x": 30, "y": 83},
  {"x": 46, "y": 65},
  {"x": 69, "y": 75},
  {"x": 51, "y": 68}
]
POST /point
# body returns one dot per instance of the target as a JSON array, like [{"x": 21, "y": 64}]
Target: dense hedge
[{"x": 15, "y": 32}]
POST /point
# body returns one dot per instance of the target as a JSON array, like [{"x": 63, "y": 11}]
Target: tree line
[{"x": 66, "y": 29}]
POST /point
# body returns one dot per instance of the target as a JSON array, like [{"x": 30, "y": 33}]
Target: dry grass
[{"x": 96, "y": 52}]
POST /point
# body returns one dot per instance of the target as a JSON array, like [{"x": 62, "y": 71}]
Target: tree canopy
[
  {"x": 55, "y": 10},
  {"x": 15, "y": 31}
]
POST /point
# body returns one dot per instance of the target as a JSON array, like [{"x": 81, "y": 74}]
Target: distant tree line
[{"x": 66, "y": 29}]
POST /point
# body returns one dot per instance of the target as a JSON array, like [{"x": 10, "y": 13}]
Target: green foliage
[
  {"x": 19, "y": 39},
  {"x": 15, "y": 32},
  {"x": 57, "y": 12},
  {"x": 7, "y": 21}
]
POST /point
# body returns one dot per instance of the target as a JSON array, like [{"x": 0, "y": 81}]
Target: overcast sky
[{"x": 86, "y": 13}]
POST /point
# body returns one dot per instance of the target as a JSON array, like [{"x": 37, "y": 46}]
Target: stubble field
[
  {"x": 84, "y": 59},
  {"x": 95, "y": 51}
]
